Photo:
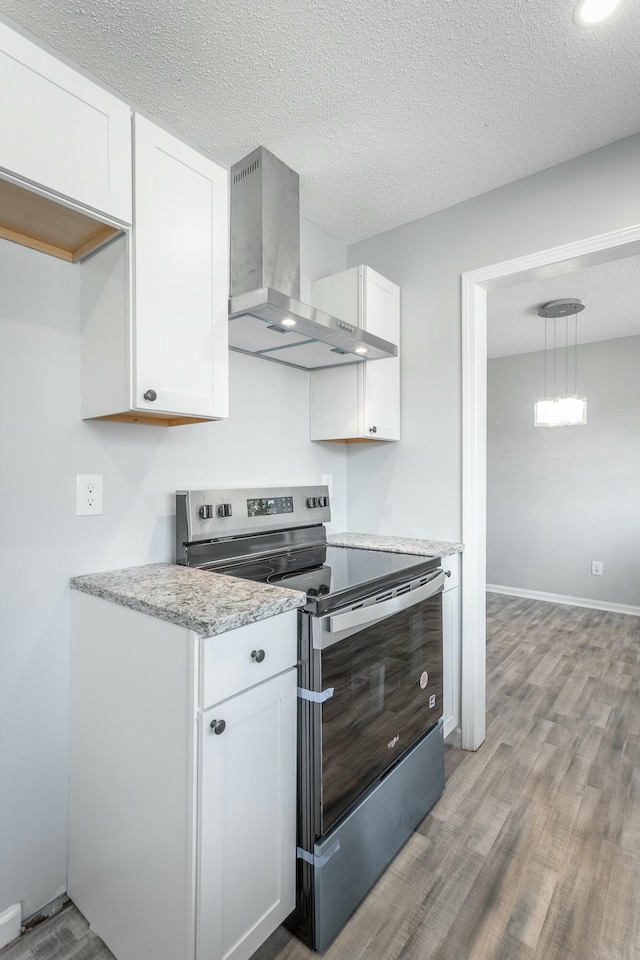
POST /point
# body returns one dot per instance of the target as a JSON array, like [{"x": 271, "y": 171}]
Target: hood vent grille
[
  {"x": 247, "y": 170},
  {"x": 266, "y": 317}
]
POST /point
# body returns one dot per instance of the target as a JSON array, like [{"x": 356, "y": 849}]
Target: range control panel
[{"x": 211, "y": 514}]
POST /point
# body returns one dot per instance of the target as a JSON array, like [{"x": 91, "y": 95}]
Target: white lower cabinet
[
  {"x": 451, "y": 639},
  {"x": 246, "y": 876},
  {"x": 181, "y": 839}
]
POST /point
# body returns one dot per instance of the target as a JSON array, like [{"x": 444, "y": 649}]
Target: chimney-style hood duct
[{"x": 266, "y": 317}]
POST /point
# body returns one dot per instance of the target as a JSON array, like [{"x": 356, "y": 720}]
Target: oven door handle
[{"x": 342, "y": 624}]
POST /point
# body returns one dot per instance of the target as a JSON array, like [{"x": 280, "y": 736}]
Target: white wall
[
  {"x": 559, "y": 498},
  {"x": 413, "y": 488},
  {"x": 44, "y": 444},
  {"x": 320, "y": 256}
]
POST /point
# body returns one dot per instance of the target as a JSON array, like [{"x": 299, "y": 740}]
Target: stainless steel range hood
[{"x": 266, "y": 317}]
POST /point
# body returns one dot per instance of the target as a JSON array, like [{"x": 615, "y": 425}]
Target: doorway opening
[{"x": 475, "y": 287}]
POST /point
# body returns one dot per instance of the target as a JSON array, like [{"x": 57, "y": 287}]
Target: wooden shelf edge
[
  {"x": 353, "y": 440},
  {"x": 98, "y": 241},
  {"x": 153, "y": 420},
  {"x": 45, "y": 223},
  {"x": 39, "y": 245}
]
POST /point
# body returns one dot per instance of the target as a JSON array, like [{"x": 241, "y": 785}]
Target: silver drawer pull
[
  {"x": 258, "y": 655},
  {"x": 218, "y": 726}
]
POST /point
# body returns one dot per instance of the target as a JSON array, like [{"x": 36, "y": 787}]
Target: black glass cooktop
[{"x": 333, "y": 576}]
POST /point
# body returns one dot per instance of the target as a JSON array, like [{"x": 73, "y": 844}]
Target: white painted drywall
[
  {"x": 559, "y": 498},
  {"x": 43, "y": 445},
  {"x": 413, "y": 488},
  {"x": 320, "y": 256}
]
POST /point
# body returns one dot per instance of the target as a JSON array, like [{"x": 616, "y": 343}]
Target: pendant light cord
[
  {"x": 566, "y": 355},
  {"x": 575, "y": 363},
  {"x": 545, "y": 357},
  {"x": 555, "y": 330}
]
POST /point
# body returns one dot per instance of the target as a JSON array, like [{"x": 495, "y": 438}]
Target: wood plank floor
[{"x": 533, "y": 853}]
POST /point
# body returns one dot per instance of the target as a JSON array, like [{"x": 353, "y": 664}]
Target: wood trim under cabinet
[
  {"x": 42, "y": 224},
  {"x": 154, "y": 420},
  {"x": 355, "y": 440}
]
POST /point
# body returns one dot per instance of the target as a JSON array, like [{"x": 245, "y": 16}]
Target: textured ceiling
[
  {"x": 388, "y": 109},
  {"x": 609, "y": 291}
]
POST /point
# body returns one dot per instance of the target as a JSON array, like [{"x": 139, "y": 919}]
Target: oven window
[{"x": 384, "y": 677}]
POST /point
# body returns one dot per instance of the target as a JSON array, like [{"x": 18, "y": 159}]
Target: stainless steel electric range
[{"x": 370, "y": 743}]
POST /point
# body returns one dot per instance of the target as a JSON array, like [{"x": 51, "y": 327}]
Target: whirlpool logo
[{"x": 392, "y": 743}]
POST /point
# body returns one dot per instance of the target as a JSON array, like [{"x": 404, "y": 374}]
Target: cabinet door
[
  {"x": 451, "y": 658},
  {"x": 247, "y": 820},
  {"x": 181, "y": 265},
  {"x": 381, "y": 378},
  {"x": 358, "y": 402},
  {"x": 61, "y": 132}
]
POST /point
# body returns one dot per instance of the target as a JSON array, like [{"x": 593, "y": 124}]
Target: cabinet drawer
[
  {"x": 227, "y": 666},
  {"x": 451, "y": 564}
]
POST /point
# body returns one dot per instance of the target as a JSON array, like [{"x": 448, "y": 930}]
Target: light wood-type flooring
[{"x": 533, "y": 853}]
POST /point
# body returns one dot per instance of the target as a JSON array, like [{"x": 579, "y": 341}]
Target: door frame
[{"x": 475, "y": 286}]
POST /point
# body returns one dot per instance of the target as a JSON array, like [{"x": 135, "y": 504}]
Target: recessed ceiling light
[
  {"x": 587, "y": 13},
  {"x": 362, "y": 350},
  {"x": 288, "y": 322}
]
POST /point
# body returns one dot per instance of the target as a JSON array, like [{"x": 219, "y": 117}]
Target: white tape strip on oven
[
  {"x": 315, "y": 697},
  {"x": 314, "y": 859}
]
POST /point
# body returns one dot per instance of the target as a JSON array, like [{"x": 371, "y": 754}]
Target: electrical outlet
[
  {"x": 88, "y": 495},
  {"x": 596, "y": 568},
  {"x": 327, "y": 481}
]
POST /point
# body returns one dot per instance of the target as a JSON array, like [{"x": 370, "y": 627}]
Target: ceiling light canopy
[{"x": 587, "y": 13}]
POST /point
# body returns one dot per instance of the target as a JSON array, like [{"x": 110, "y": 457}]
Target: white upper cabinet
[
  {"x": 360, "y": 401},
  {"x": 61, "y": 133},
  {"x": 156, "y": 351},
  {"x": 181, "y": 263}
]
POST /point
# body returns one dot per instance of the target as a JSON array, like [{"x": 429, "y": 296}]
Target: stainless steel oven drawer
[{"x": 351, "y": 857}]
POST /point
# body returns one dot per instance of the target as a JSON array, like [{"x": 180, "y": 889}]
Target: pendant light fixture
[{"x": 560, "y": 410}]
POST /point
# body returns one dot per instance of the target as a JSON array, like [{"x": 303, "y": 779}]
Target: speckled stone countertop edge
[
  {"x": 222, "y": 603},
  {"x": 410, "y": 545}
]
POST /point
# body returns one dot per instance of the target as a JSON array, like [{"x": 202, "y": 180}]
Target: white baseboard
[
  {"x": 10, "y": 921},
  {"x": 449, "y": 725},
  {"x": 567, "y": 601},
  {"x": 453, "y": 737}
]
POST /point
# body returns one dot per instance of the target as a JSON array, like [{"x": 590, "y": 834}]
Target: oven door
[{"x": 383, "y": 659}]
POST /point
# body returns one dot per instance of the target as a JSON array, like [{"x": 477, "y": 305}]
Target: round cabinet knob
[
  {"x": 218, "y": 726},
  {"x": 150, "y": 395},
  {"x": 447, "y": 573},
  {"x": 258, "y": 655},
  {"x": 373, "y": 429}
]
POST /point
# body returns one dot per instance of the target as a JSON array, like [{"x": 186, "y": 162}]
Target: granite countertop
[
  {"x": 371, "y": 541},
  {"x": 208, "y": 603}
]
